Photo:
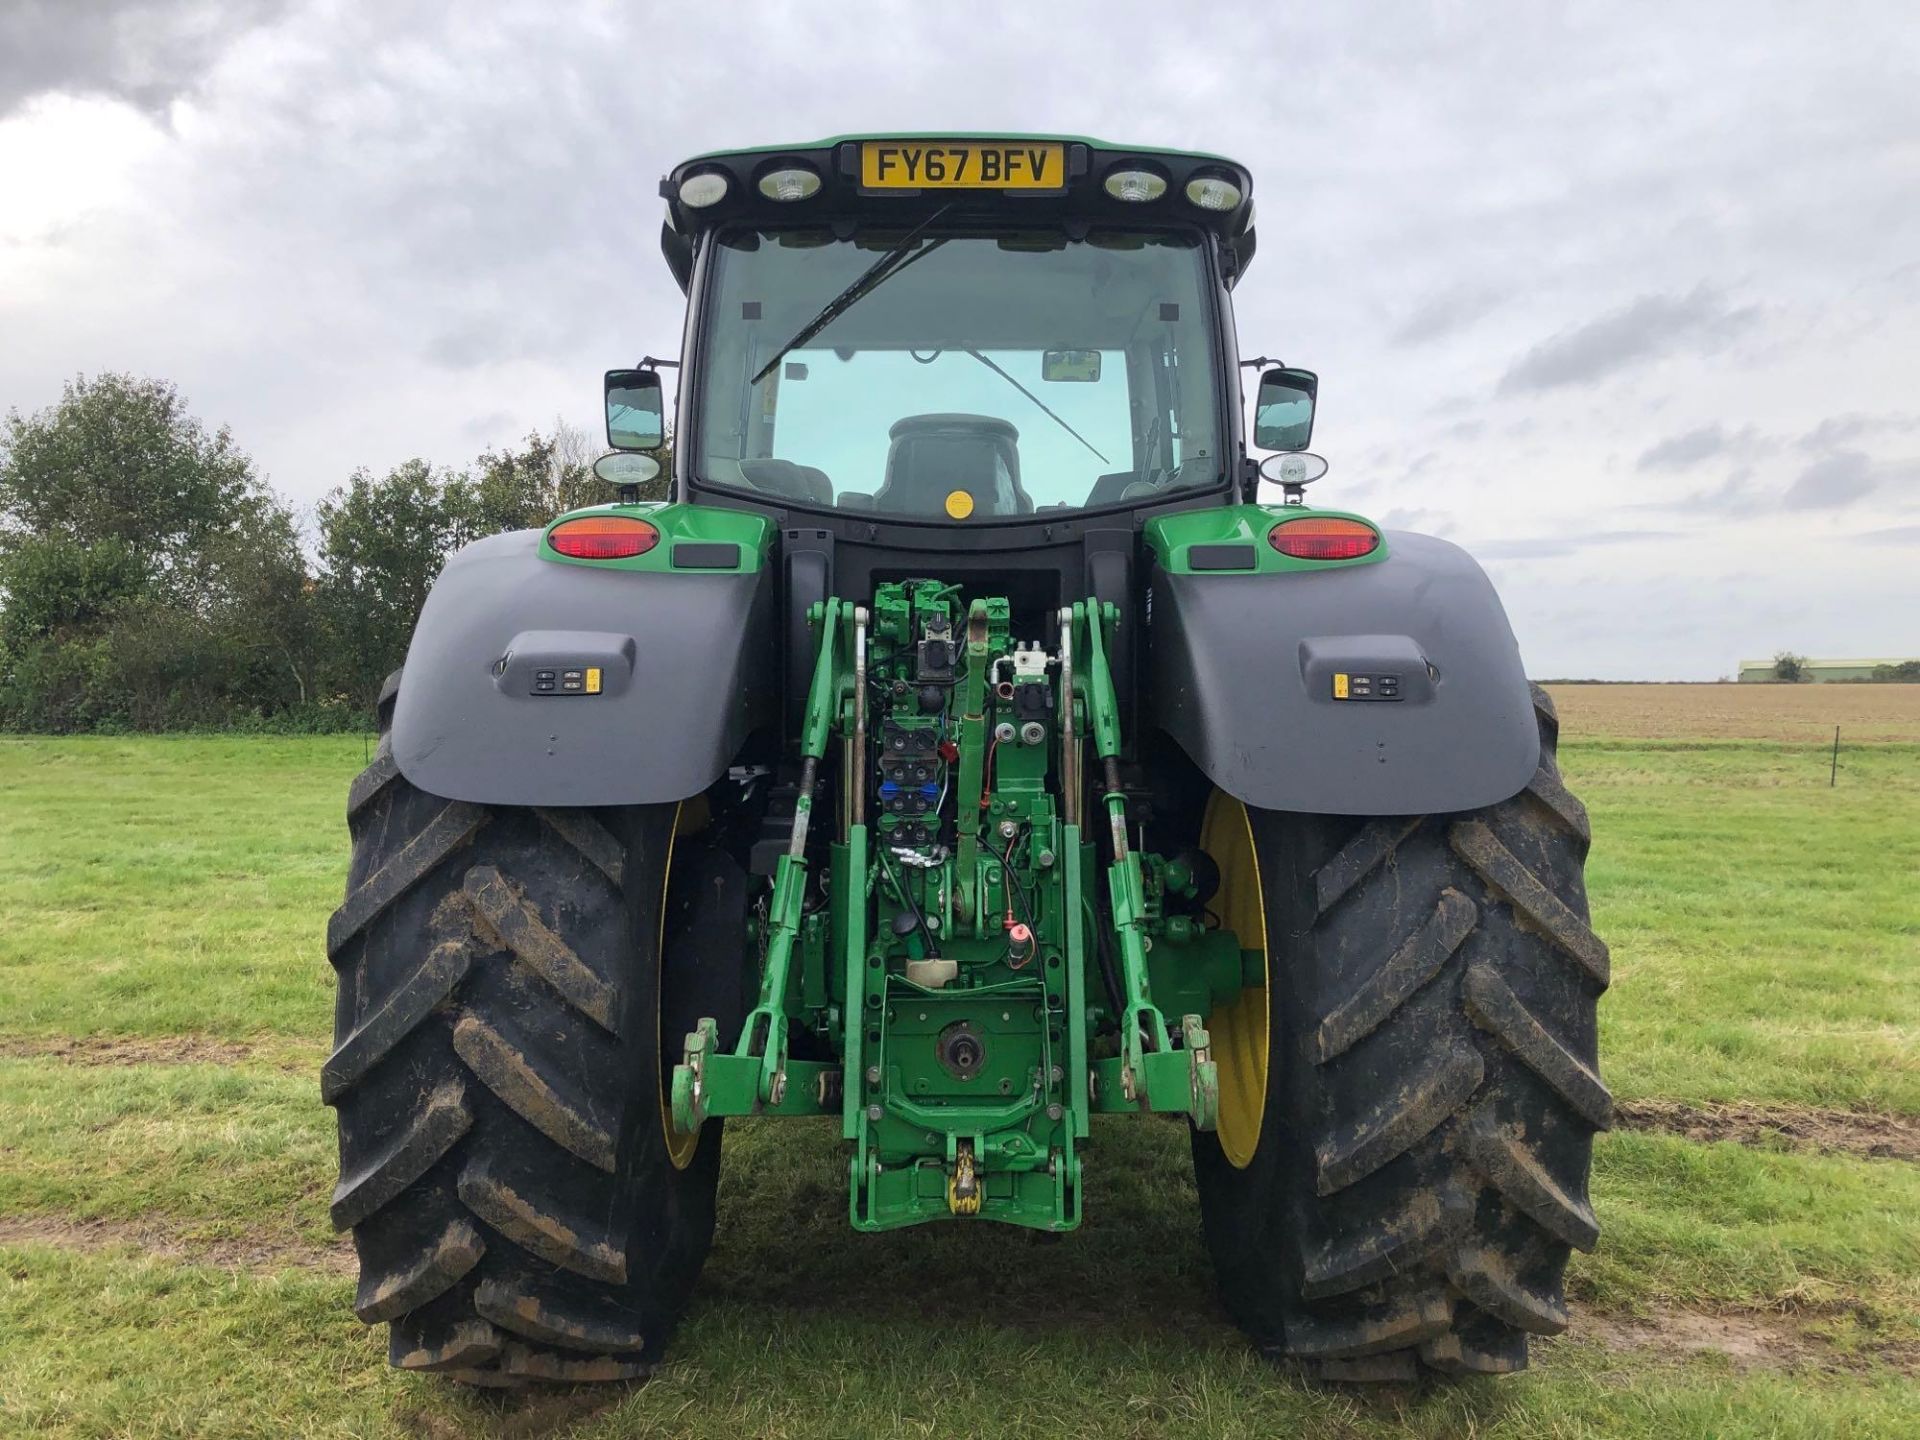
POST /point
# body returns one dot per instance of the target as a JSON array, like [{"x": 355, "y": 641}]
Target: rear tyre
[
  {"x": 513, "y": 984},
  {"x": 388, "y": 698},
  {"x": 1407, "y": 1188}
]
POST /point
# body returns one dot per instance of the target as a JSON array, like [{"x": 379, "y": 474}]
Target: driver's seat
[{"x": 934, "y": 455}]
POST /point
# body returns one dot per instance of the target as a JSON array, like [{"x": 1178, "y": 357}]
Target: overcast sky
[{"x": 1624, "y": 298}]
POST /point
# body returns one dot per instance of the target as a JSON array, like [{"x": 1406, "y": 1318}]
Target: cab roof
[{"x": 843, "y": 199}]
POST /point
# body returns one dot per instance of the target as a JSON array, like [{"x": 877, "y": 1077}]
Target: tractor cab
[
  {"x": 1014, "y": 356},
  {"x": 895, "y": 334}
]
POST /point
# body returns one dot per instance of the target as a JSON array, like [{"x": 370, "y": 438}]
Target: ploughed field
[
  {"x": 166, "y": 1266},
  {"x": 1868, "y": 713}
]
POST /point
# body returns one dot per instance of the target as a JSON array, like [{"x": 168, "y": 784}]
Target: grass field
[{"x": 166, "y": 1266}]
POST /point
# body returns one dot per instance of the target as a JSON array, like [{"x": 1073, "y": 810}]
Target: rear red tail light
[
  {"x": 603, "y": 537},
  {"x": 1314, "y": 538}
]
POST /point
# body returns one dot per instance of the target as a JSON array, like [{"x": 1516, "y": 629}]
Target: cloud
[
  {"x": 1553, "y": 547},
  {"x": 1428, "y": 522},
  {"x": 1831, "y": 482},
  {"x": 1892, "y": 535},
  {"x": 146, "y": 53},
  {"x": 1443, "y": 314},
  {"x": 1652, "y": 326},
  {"x": 386, "y": 228},
  {"x": 1687, "y": 449},
  {"x": 1735, "y": 497},
  {"x": 1839, "y": 429}
]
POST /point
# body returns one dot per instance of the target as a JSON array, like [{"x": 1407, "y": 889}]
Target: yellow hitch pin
[{"x": 963, "y": 1186}]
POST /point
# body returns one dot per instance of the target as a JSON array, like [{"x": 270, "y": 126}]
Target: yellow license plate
[{"x": 963, "y": 165}]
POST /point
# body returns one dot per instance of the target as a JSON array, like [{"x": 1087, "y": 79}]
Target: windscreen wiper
[
  {"x": 883, "y": 269},
  {"x": 1041, "y": 403}
]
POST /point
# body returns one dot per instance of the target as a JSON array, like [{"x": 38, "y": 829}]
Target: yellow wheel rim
[
  {"x": 1239, "y": 1029},
  {"x": 680, "y": 1148}
]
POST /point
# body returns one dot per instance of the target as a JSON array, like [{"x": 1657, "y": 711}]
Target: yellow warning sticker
[
  {"x": 593, "y": 679},
  {"x": 1339, "y": 683}
]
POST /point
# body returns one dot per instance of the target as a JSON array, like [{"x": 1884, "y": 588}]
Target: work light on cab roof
[
  {"x": 864, "y": 180},
  {"x": 986, "y": 734}
]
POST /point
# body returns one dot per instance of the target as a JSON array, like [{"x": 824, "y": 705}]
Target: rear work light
[
  {"x": 1135, "y": 186},
  {"x": 603, "y": 537},
  {"x": 708, "y": 187},
  {"x": 1211, "y": 192},
  {"x": 789, "y": 182},
  {"x": 1324, "y": 539}
]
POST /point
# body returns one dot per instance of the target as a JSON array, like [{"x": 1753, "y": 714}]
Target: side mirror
[
  {"x": 635, "y": 413},
  {"x": 1283, "y": 412}
]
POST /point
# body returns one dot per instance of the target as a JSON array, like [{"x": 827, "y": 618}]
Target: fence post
[{"x": 1833, "y": 775}]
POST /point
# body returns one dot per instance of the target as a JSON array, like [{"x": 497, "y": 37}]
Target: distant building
[{"x": 1762, "y": 670}]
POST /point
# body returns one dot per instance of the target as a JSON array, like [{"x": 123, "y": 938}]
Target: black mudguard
[
  {"x": 1243, "y": 678},
  {"x": 687, "y": 673}
]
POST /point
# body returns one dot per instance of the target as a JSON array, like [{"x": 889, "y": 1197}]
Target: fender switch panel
[
  {"x": 555, "y": 663},
  {"x": 1366, "y": 668},
  {"x": 581, "y": 680}
]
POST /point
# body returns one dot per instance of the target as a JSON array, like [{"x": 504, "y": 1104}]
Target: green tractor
[{"x": 964, "y": 751}]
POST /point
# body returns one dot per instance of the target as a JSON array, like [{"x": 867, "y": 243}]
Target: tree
[
  {"x": 548, "y": 475},
  {"x": 661, "y": 486},
  {"x": 383, "y": 540},
  {"x": 150, "y": 577},
  {"x": 1790, "y": 668},
  {"x": 1901, "y": 672},
  {"x": 121, "y": 459}
]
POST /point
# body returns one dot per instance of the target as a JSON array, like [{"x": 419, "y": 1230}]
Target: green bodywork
[
  {"x": 949, "y": 965},
  {"x": 947, "y": 957},
  {"x": 679, "y": 524},
  {"x": 1171, "y": 537}
]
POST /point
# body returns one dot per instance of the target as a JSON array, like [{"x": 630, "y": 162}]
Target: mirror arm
[
  {"x": 1249, "y": 479},
  {"x": 655, "y": 362}
]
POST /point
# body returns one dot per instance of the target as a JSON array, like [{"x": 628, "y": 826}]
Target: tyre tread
[
  {"x": 1491, "y": 1280},
  {"x": 572, "y": 1242},
  {"x": 1437, "y": 1093},
  {"x": 592, "y": 839},
  {"x": 463, "y": 1345},
  {"x": 435, "y": 843},
  {"x": 1504, "y": 872},
  {"x": 1400, "y": 1120},
  {"x": 505, "y": 908},
  {"x": 484, "y": 1091},
  {"x": 432, "y": 1272},
  {"x": 501, "y": 1063},
  {"x": 399, "y": 1015},
  {"x": 534, "y": 1317},
  {"x": 1501, "y": 1155},
  {"x": 1366, "y": 851},
  {"x": 1501, "y": 1013},
  {"x": 1413, "y": 964},
  {"x": 430, "y": 1134}
]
